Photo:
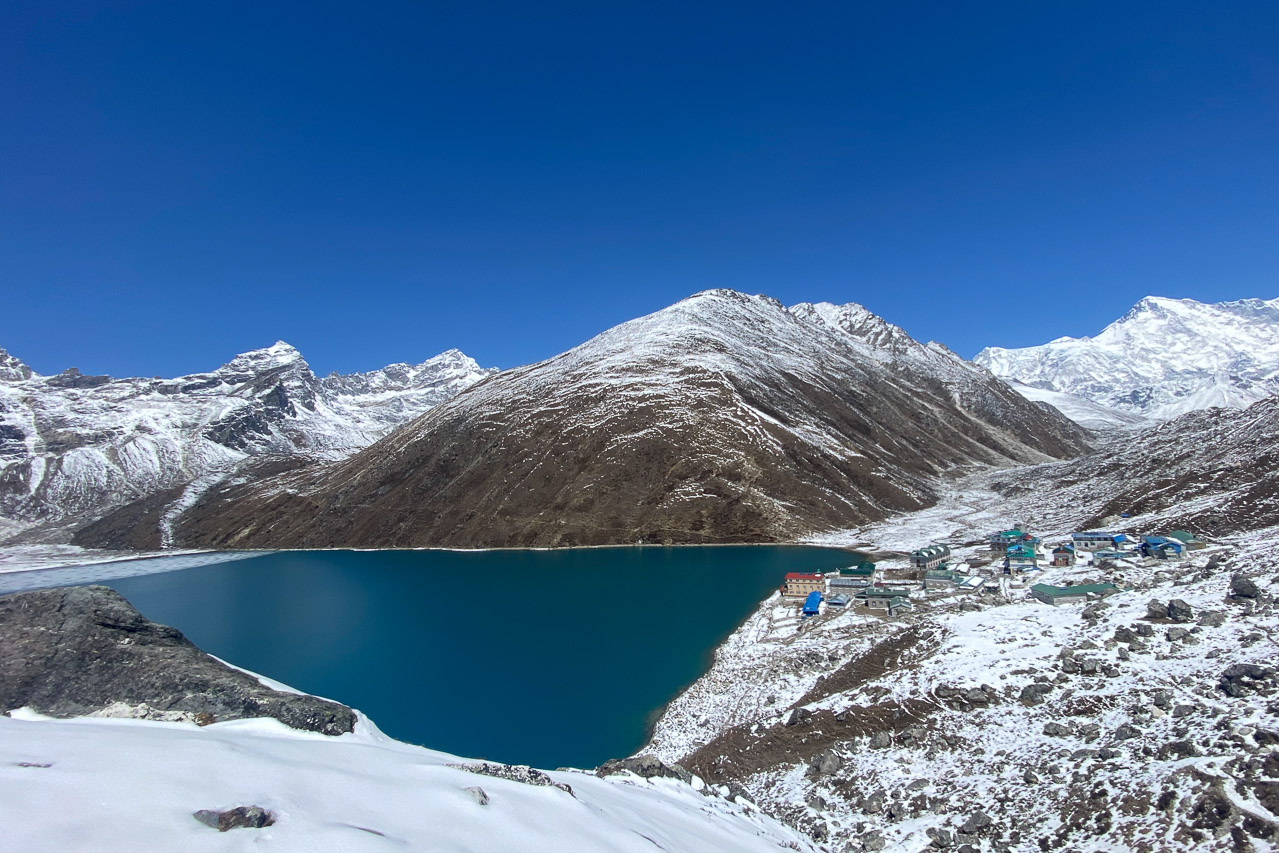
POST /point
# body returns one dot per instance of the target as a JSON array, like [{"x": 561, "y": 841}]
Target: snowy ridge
[
  {"x": 73, "y": 447},
  {"x": 1163, "y": 358}
]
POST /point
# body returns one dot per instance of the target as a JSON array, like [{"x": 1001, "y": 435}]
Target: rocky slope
[
  {"x": 1163, "y": 358},
  {"x": 1211, "y": 472},
  {"x": 724, "y": 418},
  {"x": 1146, "y": 721},
  {"x": 74, "y": 448}
]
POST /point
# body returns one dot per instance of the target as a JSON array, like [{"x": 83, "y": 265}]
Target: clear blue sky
[{"x": 377, "y": 182}]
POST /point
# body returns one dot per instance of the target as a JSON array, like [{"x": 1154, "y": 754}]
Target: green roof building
[{"x": 1055, "y": 595}]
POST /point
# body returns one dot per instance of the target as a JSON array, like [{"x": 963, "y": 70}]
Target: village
[{"x": 1011, "y": 564}]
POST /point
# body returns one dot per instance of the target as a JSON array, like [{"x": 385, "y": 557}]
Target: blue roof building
[{"x": 812, "y": 604}]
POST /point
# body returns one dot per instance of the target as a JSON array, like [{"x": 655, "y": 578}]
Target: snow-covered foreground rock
[
  {"x": 1000, "y": 722},
  {"x": 1163, "y": 358},
  {"x": 107, "y": 785}
]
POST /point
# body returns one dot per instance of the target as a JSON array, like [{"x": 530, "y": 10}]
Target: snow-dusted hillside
[
  {"x": 73, "y": 447},
  {"x": 723, "y": 418},
  {"x": 1161, "y": 359}
]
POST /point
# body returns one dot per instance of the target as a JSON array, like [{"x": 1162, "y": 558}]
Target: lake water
[{"x": 547, "y": 658}]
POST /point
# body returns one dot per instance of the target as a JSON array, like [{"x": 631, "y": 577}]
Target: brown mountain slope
[{"x": 724, "y": 418}]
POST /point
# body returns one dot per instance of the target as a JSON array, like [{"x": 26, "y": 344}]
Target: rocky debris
[
  {"x": 644, "y": 766},
  {"x": 240, "y": 817},
  {"x": 873, "y": 841},
  {"x": 1243, "y": 679},
  {"x": 478, "y": 794},
  {"x": 514, "y": 773},
  {"x": 1055, "y": 729},
  {"x": 1180, "y": 611},
  {"x": 76, "y": 651},
  {"x": 1242, "y": 586}
]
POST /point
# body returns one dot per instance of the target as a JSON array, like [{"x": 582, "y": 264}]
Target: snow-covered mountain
[
  {"x": 722, "y": 418},
  {"x": 1161, "y": 359},
  {"x": 73, "y": 447}
]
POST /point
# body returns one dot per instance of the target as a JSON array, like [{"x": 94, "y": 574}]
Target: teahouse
[
  {"x": 1055, "y": 595},
  {"x": 800, "y": 584}
]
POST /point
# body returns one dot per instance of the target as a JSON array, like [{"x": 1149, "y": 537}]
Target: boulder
[
  {"x": 240, "y": 817},
  {"x": 1056, "y": 729},
  {"x": 798, "y": 716},
  {"x": 1242, "y": 586},
  {"x": 1156, "y": 609},
  {"x": 978, "y": 821},
  {"x": 880, "y": 740},
  {"x": 1127, "y": 732},
  {"x": 942, "y": 839},
  {"x": 825, "y": 763},
  {"x": 873, "y": 841},
  {"x": 1180, "y": 611},
  {"x": 1211, "y": 618},
  {"x": 478, "y": 794},
  {"x": 1176, "y": 634},
  {"x": 1034, "y": 694},
  {"x": 1126, "y": 635}
]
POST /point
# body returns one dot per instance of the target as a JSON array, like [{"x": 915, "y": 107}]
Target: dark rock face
[
  {"x": 76, "y": 650},
  {"x": 247, "y": 817}
]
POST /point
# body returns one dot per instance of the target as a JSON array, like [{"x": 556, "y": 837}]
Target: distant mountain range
[
  {"x": 1163, "y": 358},
  {"x": 723, "y": 418},
  {"x": 74, "y": 447}
]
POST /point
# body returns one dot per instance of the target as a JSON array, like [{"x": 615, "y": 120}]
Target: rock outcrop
[{"x": 78, "y": 651}]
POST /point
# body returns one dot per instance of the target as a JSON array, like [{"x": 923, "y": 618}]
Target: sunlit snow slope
[{"x": 1163, "y": 358}]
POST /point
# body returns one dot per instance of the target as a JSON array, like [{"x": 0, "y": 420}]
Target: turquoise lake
[{"x": 548, "y": 658}]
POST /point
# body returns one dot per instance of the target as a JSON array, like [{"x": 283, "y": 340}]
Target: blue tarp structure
[{"x": 812, "y": 603}]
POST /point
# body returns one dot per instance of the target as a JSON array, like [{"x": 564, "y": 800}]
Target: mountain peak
[
  {"x": 278, "y": 355},
  {"x": 12, "y": 369},
  {"x": 1165, "y": 356}
]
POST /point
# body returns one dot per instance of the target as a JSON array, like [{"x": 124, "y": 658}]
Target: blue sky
[{"x": 378, "y": 182}]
